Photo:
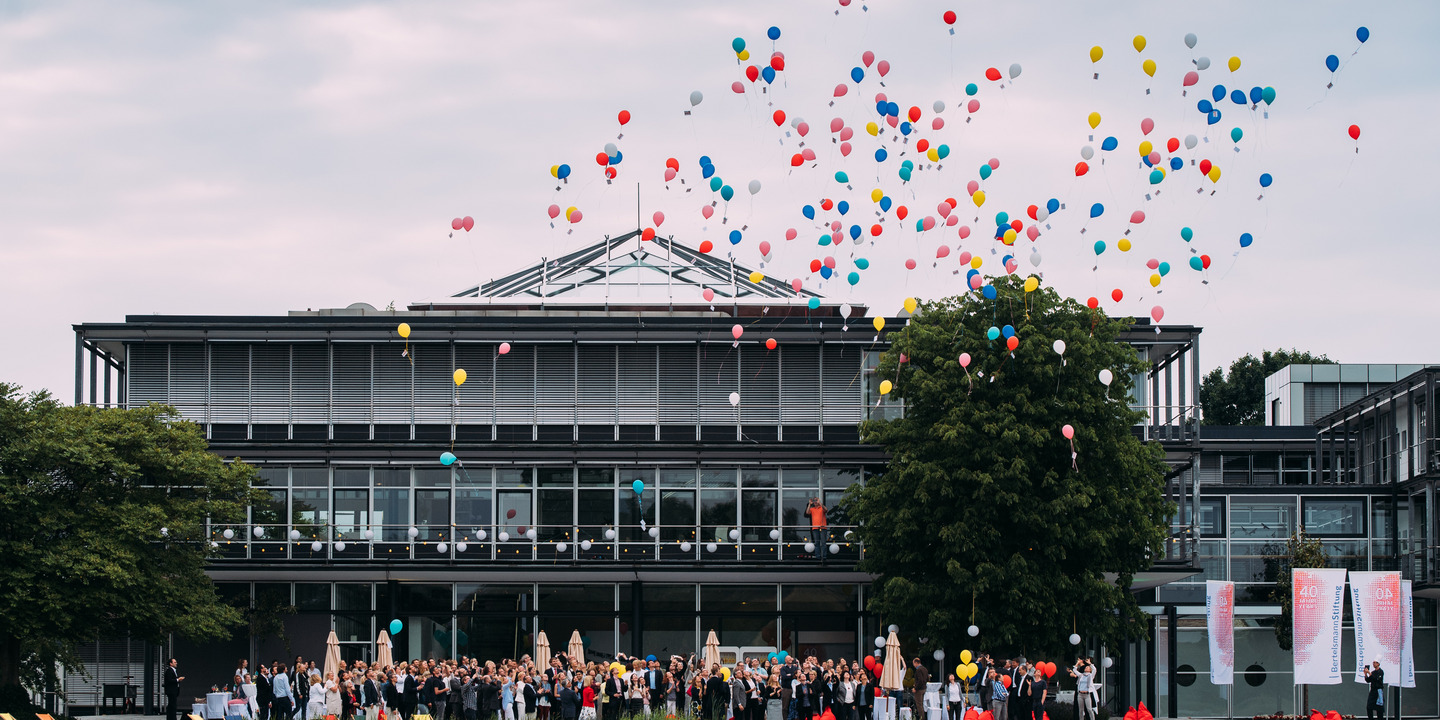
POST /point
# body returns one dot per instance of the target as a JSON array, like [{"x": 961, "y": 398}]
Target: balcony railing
[
  {"x": 1169, "y": 423},
  {"x": 534, "y": 543}
]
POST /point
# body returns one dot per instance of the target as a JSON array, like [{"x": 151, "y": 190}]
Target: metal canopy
[{"x": 660, "y": 262}]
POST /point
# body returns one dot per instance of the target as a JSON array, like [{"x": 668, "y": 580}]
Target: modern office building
[{"x": 630, "y": 468}]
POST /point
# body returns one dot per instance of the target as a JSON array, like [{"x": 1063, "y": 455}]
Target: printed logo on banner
[
  {"x": 1317, "y": 602},
  {"x": 1220, "y": 622}
]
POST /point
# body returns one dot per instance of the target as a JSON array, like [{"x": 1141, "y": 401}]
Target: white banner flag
[
  {"x": 1407, "y": 657},
  {"x": 1220, "y": 626},
  {"x": 1379, "y": 627},
  {"x": 1317, "y": 602}
]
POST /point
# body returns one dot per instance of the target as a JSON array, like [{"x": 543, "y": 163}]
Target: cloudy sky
[{"x": 259, "y": 157}]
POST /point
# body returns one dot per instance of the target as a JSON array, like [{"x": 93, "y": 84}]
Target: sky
[{"x": 260, "y": 157}]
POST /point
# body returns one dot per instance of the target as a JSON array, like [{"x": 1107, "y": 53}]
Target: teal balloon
[
  {"x": 1236, "y": 134},
  {"x": 738, "y": 44},
  {"x": 1196, "y": 263},
  {"x": 943, "y": 151},
  {"x": 985, "y": 172},
  {"x": 1164, "y": 269},
  {"x": 814, "y": 303},
  {"x": 853, "y": 277},
  {"x": 862, "y": 263},
  {"x": 1268, "y": 95},
  {"x": 727, "y": 192},
  {"x": 994, "y": 332},
  {"x": 905, "y": 174},
  {"x": 1099, "y": 246},
  {"x": 971, "y": 89},
  {"x": 907, "y": 164},
  {"x": 1002, "y": 217},
  {"x": 824, "y": 240},
  {"x": 841, "y": 177},
  {"x": 715, "y": 183},
  {"x": 1156, "y": 176},
  {"x": 396, "y": 626},
  {"x": 447, "y": 458},
  {"x": 1187, "y": 233},
  {"x": 638, "y": 486}
]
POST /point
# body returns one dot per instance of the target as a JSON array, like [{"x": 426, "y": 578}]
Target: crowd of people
[{"x": 777, "y": 688}]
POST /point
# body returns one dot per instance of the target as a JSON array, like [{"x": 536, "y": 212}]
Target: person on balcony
[{"x": 818, "y": 525}]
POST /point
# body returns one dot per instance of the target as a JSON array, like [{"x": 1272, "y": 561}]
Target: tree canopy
[
  {"x": 981, "y": 505},
  {"x": 1239, "y": 397},
  {"x": 85, "y": 494}
]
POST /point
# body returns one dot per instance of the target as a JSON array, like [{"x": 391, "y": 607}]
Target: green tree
[
  {"x": 981, "y": 502},
  {"x": 104, "y": 531},
  {"x": 1239, "y": 397}
]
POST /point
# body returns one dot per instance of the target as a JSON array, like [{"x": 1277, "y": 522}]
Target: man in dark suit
[
  {"x": 490, "y": 699},
  {"x": 655, "y": 681},
  {"x": 173, "y": 679},
  {"x": 264, "y": 692},
  {"x": 409, "y": 695},
  {"x": 569, "y": 701},
  {"x": 717, "y": 694},
  {"x": 615, "y": 690}
]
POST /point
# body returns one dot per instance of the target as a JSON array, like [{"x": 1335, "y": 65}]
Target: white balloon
[
  {"x": 1106, "y": 377},
  {"x": 585, "y": 544},
  {"x": 939, "y": 654},
  {"x": 461, "y": 547},
  {"x": 685, "y": 547},
  {"x": 1041, "y": 214},
  {"x": 1014, "y": 70},
  {"x": 228, "y": 533},
  {"x": 609, "y": 533},
  {"x": 972, "y": 631},
  {"x": 893, "y": 628},
  {"x": 734, "y": 534},
  {"x": 413, "y": 533},
  {"x": 1086, "y": 153},
  {"x": 834, "y": 548},
  {"x": 1108, "y": 662},
  {"x": 939, "y": 106},
  {"x": 503, "y": 536},
  {"x": 754, "y": 186},
  {"x": 809, "y": 547},
  {"x": 1202, "y": 63},
  {"x": 316, "y": 546},
  {"x": 164, "y": 532},
  {"x": 370, "y": 535},
  {"x": 340, "y": 546},
  {"x": 259, "y": 532},
  {"x": 879, "y": 642},
  {"x": 1190, "y": 41},
  {"x": 711, "y": 547},
  {"x": 845, "y": 310},
  {"x": 561, "y": 548},
  {"x": 1059, "y": 347},
  {"x": 734, "y": 399},
  {"x": 480, "y": 536},
  {"x": 1035, "y": 258},
  {"x": 695, "y": 98},
  {"x": 531, "y": 533},
  {"x": 654, "y": 532},
  {"x": 774, "y": 534},
  {"x": 442, "y": 548},
  {"x": 610, "y": 149},
  {"x": 1074, "y": 639},
  {"x": 1191, "y": 141}
]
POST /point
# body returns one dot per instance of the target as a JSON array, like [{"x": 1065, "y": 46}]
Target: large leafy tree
[
  {"x": 1238, "y": 398},
  {"x": 982, "y": 505},
  {"x": 103, "y": 530}
]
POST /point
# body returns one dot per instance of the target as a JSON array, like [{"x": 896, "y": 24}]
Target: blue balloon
[
  {"x": 893, "y": 109},
  {"x": 617, "y": 158},
  {"x": 1146, "y": 159},
  {"x": 905, "y": 128},
  {"x": 705, "y": 160},
  {"x": 969, "y": 274},
  {"x": 727, "y": 192},
  {"x": 993, "y": 333},
  {"x": 1332, "y": 63},
  {"x": 1238, "y": 97},
  {"x": 396, "y": 626},
  {"x": 1257, "y": 94},
  {"x": 1002, "y": 217},
  {"x": 1196, "y": 263},
  {"x": 826, "y": 272},
  {"x": 843, "y": 207},
  {"x": 1246, "y": 239},
  {"x": 814, "y": 303},
  {"x": 771, "y": 657},
  {"x": 862, "y": 263},
  {"x": 768, "y": 74},
  {"x": 1110, "y": 143},
  {"x": 808, "y": 211},
  {"x": 1008, "y": 331},
  {"x": 774, "y": 34},
  {"x": 853, "y": 278},
  {"x": 1362, "y": 33},
  {"x": 989, "y": 292},
  {"x": 716, "y": 183},
  {"x": 1186, "y": 233},
  {"x": 447, "y": 458},
  {"x": 1000, "y": 231},
  {"x": 1204, "y": 106},
  {"x": 1097, "y": 210},
  {"x": 882, "y": 108},
  {"x": 880, "y": 155},
  {"x": 885, "y": 203},
  {"x": 857, "y": 74},
  {"x": 971, "y": 89},
  {"x": 563, "y": 172},
  {"x": 639, "y": 487},
  {"x": 1176, "y": 163},
  {"x": 707, "y": 170},
  {"x": 734, "y": 237},
  {"x": 1054, "y": 204},
  {"x": 1265, "y": 180},
  {"x": 825, "y": 239},
  {"x": 1214, "y": 117},
  {"x": 854, "y": 231},
  {"x": 1099, "y": 246},
  {"x": 1218, "y": 92}
]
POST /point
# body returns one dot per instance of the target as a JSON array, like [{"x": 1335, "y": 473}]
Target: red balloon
[
  {"x": 878, "y": 691},
  {"x": 797, "y": 160},
  {"x": 777, "y": 62},
  {"x": 752, "y": 73},
  {"x": 1032, "y": 210},
  {"x": 953, "y": 202},
  {"x": 901, "y": 211},
  {"x": 611, "y": 172},
  {"x": 949, "y": 17},
  {"x": 914, "y": 113},
  {"x": 1205, "y": 167},
  {"x": 659, "y": 218},
  {"x": 602, "y": 159},
  {"x": 826, "y": 204},
  {"x": 770, "y": 344},
  {"x": 575, "y": 217},
  {"x": 1013, "y": 342},
  {"x": 458, "y": 223},
  {"x": 624, "y": 116},
  {"x": 922, "y": 145},
  {"x": 965, "y": 233},
  {"x": 992, "y": 74},
  {"x": 1093, "y": 303},
  {"x": 1205, "y": 261},
  {"x": 1172, "y": 145},
  {"x": 876, "y": 229},
  {"x": 1005, "y": 680},
  {"x": 809, "y": 154},
  {"x": 910, "y": 264},
  {"x": 509, "y": 514},
  {"x": 706, "y": 246},
  {"x": 468, "y": 223},
  {"x": 647, "y": 235},
  {"x": 779, "y": 117},
  {"x": 673, "y": 164},
  {"x": 1116, "y": 294},
  {"x": 1137, "y": 217},
  {"x": 1081, "y": 168},
  {"x": 1354, "y": 132},
  {"x": 814, "y": 266},
  {"x": 973, "y": 106},
  {"x": 830, "y": 261},
  {"x": 1016, "y": 225}
]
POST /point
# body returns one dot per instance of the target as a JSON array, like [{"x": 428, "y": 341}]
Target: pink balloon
[
  {"x": 965, "y": 258},
  {"x": 867, "y": 58},
  {"x": 808, "y": 154},
  {"x": 837, "y": 237},
  {"x": 972, "y": 186},
  {"x": 844, "y": 3},
  {"x": 830, "y": 261},
  {"x": 841, "y": 89},
  {"x": 708, "y": 294},
  {"x": 737, "y": 87},
  {"x": 994, "y": 163},
  {"x": 835, "y": 225},
  {"x": 883, "y": 67},
  {"x": 943, "y": 208},
  {"x": 458, "y": 223},
  {"x": 937, "y": 123},
  {"x": 737, "y": 331},
  {"x": 952, "y": 221},
  {"x": 1152, "y": 263},
  {"x": 504, "y": 348},
  {"x": 1068, "y": 432},
  {"x": 790, "y": 234},
  {"x": 1010, "y": 265},
  {"x": 707, "y": 211},
  {"x": 796, "y": 285},
  {"x": 658, "y": 218},
  {"x": 964, "y": 233},
  {"x": 1191, "y": 78},
  {"x": 845, "y": 149},
  {"x": 803, "y": 128},
  {"x": 942, "y": 251},
  {"x": 1032, "y": 232},
  {"x": 669, "y": 174},
  {"x": 836, "y": 124},
  {"x": 929, "y": 223},
  {"x": 880, "y": 97},
  {"x": 1154, "y": 157},
  {"x": 973, "y": 105},
  {"x": 1157, "y": 313},
  {"x": 892, "y": 121},
  {"x": 910, "y": 264},
  {"x": 975, "y": 282},
  {"x": 764, "y": 248},
  {"x": 846, "y": 133},
  {"x": 965, "y": 357},
  {"x": 575, "y": 217},
  {"x": 554, "y": 211},
  {"x": 1137, "y": 217},
  {"x": 1146, "y": 126}
]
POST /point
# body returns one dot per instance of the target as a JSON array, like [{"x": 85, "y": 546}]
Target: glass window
[
  {"x": 312, "y": 596},
  {"x": 801, "y": 477},
  {"x": 416, "y": 598},
  {"x": 717, "y": 515},
  {"x": 737, "y": 598},
  {"x": 759, "y": 478},
  {"x": 1349, "y": 554},
  {"x": 598, "y": 477},
  {"x": 310, "y": 477},
  {"x": 1212, "y": 517},
  {"x": 839, "y": 478},
  {"x": 352, "y": 477},
  {"x": 269, "y": 508},
  {"x": 796, "y": 524},
  {"x": 352, "y": 597},
  {"x": 477, "y": 477},
  {"x": 677, "y": 477},
  {"x": 392, "y": 513},
  {"x": 309, "y": 506},
  {"x": 432, "y": 477},
  {"x": 352, "y": 513},
  {"x": 555, "y": 477},
  {"x": 494, "y": 599},
  {"x": 556, "y": 599},
  {"x": 272, "y": 477},
  {"x": 820, "y": 598},
  {"x": 392, "y": 477},
  {"x": 1382, "y": 517},
  {"x": 1335, "y": 517},
  {"x": 633, "y": 510},
  {"x": 512, "y": 477},
  {"x": 432, "y": 515},
  {"x": 1250, "y": 561},
  {"x": 717, "y": 477},
  {"x": 472, "y": 509},
  {"x": 677, "y": 515},
  {"x": 514, "y": 509},
  {"x": 596, "y": 513},
  {"x": 555, "y": 513},
  {"x": 757, "y": 512},
  {"x": 669, "y": 598},
  {"x": 1262, "y": 517}
]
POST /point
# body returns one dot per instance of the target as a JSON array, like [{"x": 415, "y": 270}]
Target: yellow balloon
[
  {"x": 973, "y": 669},
  {"x": 1096, "y": 53},
  {"x": 569, "y": 211},
  {"x": 960, "y": 670},
  {"x": 975, "y": 262},
  {"x": 876, "y": 195},
  {"x": 1145, "y": 148},
  {"x": 1124, "y": 244},
  {"x": 885, "y": 387},
  {"x": 933, "y": 154},
  {"x": 1139, "y": 43},
  {"x": 879, "y": 324},
  {"x": 1155, "y": 280},
  {"x": 1031, "y": 283},
  {"x": 555, "y": 171},
  {"x": 965, "y": 657},
  {"x": 1009, "y": 237},
  {"x": 978, "y": 197},
  {"x": 460, "y": 376},
  {"x": 743, "y": 54},
  {"x": 617, "y": 667},
  {"x": 756, "y": 276},
  {"x": 404, "y": 330},
  {"x": 1234, "y": 64},
  {"x": 910, "y": 305},
  {"x": 725, "y": 673},
  {"x": 1094, "y": 120},
  {"x": 1214, "y": 174},
  {"x": 1149, "y": 67},
  {"x": 872, "y": 128}
]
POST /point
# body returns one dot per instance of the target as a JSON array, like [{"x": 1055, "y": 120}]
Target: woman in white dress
[
  {"x": 332, "y": 695},
  {"x": 315, "y": 708}
]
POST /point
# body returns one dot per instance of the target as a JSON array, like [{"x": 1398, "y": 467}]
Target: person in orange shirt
[{"x": 818, "y": 524}]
